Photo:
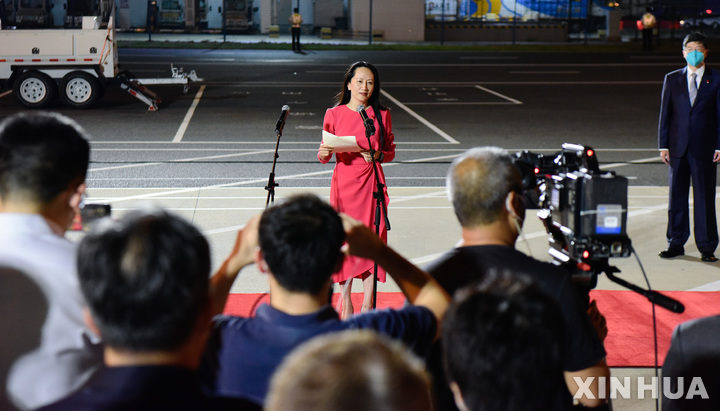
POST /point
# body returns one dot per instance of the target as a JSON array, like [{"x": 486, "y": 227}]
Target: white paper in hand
[{"x": 341, "y": 144}]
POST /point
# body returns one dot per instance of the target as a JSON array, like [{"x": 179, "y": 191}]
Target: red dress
[{"x": 353, "y": 182}]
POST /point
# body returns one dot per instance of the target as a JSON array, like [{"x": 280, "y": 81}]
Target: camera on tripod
[{"x": 584, "y": 210}]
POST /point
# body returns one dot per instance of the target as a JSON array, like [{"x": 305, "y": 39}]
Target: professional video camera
[{"x": 584, "y": 211}]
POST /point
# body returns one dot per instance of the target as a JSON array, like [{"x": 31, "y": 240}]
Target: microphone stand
[
  {"x": 379, "y": 196},
  {"x": 270, "y": 187}
]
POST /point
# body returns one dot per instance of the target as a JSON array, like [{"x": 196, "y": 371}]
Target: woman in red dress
[{"x": 353, "y": 182}]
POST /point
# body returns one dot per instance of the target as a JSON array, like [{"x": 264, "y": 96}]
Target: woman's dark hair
[{"x": 343, "y": 97}]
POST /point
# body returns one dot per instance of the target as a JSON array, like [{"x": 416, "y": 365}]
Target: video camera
[
  {"x": 585, "y": 213},
  {"x": 583, "y": 209}
]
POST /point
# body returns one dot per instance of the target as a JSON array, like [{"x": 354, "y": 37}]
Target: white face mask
[{"x": 517, "y": 220}]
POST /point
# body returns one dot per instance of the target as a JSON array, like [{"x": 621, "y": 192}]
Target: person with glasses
[{"x": 689, "y": 142}]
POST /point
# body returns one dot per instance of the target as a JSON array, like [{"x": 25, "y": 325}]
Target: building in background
[{"x": 391, "y": 20}]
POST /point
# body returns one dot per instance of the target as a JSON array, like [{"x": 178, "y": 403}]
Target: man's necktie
[{"x": 693, "y": 88}]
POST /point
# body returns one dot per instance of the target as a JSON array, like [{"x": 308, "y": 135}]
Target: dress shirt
[
  {"x": 699, "y": 72},
  {"x": 69, "y": 353}
]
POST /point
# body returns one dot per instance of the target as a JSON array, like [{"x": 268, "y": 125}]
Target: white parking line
[
  {"x": 498, "y": 94},
  {"x": 186, "y": 121},
  {"x": 631, "y": 162},
  {"x": 713, "y": 286},
  {"x": 214, "y": 186},
  {"x": 421, "y": 160},
  {"x": 435, "y": 194},
  {"x": 235, "y": 184},
  {"x": 421, "y": 119},
  {"x": 182, "y": 160}
]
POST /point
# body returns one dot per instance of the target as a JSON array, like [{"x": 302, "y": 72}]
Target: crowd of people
[
  {"x": 131, "y": 317},
  {"x": 137, "y": 299}
]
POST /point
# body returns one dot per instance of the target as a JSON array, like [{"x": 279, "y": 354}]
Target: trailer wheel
[
  {"x": 34, "y": 89},
  {"x": 80, "y": 89}
]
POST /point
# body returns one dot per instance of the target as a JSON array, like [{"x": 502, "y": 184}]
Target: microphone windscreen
[
  {"x": 286, "y": 108},
  {"x": 360, "y": 108}
]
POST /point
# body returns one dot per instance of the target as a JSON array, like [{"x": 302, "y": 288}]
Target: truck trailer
[{"x": 75, "y": 65}]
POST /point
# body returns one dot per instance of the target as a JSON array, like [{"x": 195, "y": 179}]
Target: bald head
[{"x": 478, "y": 183}]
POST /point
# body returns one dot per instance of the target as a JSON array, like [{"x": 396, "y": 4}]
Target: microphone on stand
[
  {"x": 281, "y": 121},
  {"x": 270, "y": 187},
  {"x": 378, "y": 194},
  {"x": 369, "y": 123}
]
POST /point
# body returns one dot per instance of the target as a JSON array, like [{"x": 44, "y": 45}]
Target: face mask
[{"x": 695, "y": 58}]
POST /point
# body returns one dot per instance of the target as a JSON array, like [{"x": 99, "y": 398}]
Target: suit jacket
[
  {"x": 686, "y": 130},
  {"x": 694, "y": 352}
]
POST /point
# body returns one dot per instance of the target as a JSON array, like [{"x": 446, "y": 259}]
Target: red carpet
[{"x": 629, "y": 317}]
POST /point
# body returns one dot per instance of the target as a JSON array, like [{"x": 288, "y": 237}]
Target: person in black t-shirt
[{"x": 486, "y": 191}]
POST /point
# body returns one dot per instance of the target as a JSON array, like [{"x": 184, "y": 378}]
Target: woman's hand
[
  {"x": 325, "y": 151},
  {"x": 366, "y": 155}
]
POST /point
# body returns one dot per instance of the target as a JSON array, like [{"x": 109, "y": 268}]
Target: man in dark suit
[{"x": 689, "y": 140}]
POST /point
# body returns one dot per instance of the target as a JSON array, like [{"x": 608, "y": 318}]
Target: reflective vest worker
[
  {"x": 296, "y": 20},
  {"x": 648, "y": 21}
]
